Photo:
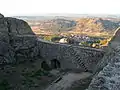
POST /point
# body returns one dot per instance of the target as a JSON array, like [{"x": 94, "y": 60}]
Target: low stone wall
[{"x": 69, "y": 56}]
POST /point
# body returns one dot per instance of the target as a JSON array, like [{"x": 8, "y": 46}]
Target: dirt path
[{"x": 67, "y": 80}]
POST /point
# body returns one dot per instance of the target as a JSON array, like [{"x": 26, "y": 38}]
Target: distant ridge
[{"x": 66, "y": 16}]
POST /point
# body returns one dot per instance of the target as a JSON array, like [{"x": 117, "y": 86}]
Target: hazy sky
[{"x": 37, "y": 7}]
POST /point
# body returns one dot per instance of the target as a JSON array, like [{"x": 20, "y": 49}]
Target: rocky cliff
[
  {"x": 107, "y": 70},
  {"x": 16, "y": 39}
]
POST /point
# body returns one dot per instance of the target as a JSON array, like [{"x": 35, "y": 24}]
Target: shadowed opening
[
  {"x": 45, "y": 66},
  {"x": 55, "y": 64}
]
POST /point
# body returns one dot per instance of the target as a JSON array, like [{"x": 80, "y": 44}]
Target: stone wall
[{"x": 69, "y": 56}]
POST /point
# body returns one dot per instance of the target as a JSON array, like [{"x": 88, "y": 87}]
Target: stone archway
[{"x": 55, "y": 64}]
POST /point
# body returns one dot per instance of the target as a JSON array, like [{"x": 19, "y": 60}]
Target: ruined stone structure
[
  {"x": 19, "y": 44},
  {"x": 69, "y": 56}
]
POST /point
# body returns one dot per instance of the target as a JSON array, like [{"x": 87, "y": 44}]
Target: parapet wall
[{"x": 69, "y": 56}]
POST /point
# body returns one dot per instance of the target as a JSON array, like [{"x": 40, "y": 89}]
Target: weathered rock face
[
  {"x": 113, "y": 48},
  {"x": 18, "y": 27},
  {"x": 109, "y": 68},
  {"x": 16, "y": 39},
  {"x": 1, "y": 16},
  {"x": 26, "y": 47},
  {"x": 6, "y": 53}
]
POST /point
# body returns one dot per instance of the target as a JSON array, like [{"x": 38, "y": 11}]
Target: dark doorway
[
  {"x": 55, "y": 64},
  {"x": 45, "y": 66}
]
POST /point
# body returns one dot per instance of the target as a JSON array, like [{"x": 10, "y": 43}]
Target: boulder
[
  {"x": 18, "y": 27},
  {"x": 112, "y": 49},
  {"x": 1, "y": 16},
  {"x": 107, "y": 71},
  {"x": 17, "y": 40},
  {"x": 6, "y": 53}
]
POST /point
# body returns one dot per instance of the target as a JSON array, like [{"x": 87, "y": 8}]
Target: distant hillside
[
  {"x": 60, "y": 25},
  {"x": 90, "y": 26},
  {"x": 66, "y": 16},
  {"x": 36, "y": 18},
  {"x": 54, "y": 25},
  {"x": 96, "y": 26},
  {"x": 108, "y": 25}
]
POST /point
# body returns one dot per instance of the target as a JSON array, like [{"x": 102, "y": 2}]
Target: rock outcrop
[
  {"x": 1, "y": 16},
  {"x": 108, "y": 70},
  {"x": 16, "y": 40}
]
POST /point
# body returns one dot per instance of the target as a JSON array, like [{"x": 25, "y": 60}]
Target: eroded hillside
[
  {"x": 89, "y": 26},
  {"x": 96, "y": 26},
  {"x": 52, "y": 26}
]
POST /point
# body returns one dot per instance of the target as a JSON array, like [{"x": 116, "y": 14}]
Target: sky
[{"x": 41, "y": 7}]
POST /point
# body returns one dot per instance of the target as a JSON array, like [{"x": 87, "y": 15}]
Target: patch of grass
[
  {"x": 39, "y": 72},
  {"x": 28, "y": 81},
  {"x": 50, "y": 37},
  {"x": 31, "y": 76},
  {"x": 4, "y": 85}
]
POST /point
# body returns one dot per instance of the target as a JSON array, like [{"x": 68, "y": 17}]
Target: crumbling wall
[{"x": 69, "y": 56}]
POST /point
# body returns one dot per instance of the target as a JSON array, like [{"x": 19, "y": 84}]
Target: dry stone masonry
[{"x": 69, "y": 56}]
